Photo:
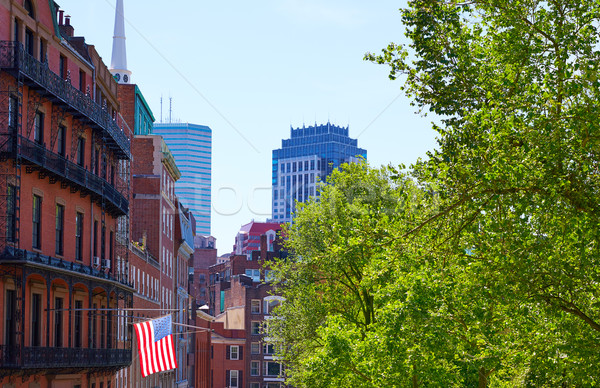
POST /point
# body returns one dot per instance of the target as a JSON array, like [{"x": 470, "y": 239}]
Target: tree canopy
[{"x": 479, "y": 265}]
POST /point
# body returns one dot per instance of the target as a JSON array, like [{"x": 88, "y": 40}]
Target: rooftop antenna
[
  {"x": 170, "y": 109},
  {"x": 161, "y": 116}
]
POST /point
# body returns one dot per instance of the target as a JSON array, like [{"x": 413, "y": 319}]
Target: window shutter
[
  {"x": 227, "y": 381},
  {"x": 240, "y": 377},
  {"x": 228, "y": 352},
  {"x": 241, "y": 353}
]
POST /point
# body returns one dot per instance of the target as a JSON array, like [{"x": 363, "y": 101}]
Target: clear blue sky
[{"x": 250, "y": 69}]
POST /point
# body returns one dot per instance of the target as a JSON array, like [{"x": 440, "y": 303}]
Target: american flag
[{"x": 155, "y": 345}]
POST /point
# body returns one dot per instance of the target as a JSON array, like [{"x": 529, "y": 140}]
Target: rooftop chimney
[{"x": 67, "y": 29}]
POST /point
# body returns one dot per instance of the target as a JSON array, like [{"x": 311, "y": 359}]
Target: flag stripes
[{"x": 155, "y": 356}]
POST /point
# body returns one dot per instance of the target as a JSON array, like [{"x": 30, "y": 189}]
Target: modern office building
[
  {"x": 191, "y": 145},
  {"x": 307, "y": 157}
]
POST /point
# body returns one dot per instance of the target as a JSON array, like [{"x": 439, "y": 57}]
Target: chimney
[
  {"x": 61, "y": 14},
  {"x": 67, "y": 29}
]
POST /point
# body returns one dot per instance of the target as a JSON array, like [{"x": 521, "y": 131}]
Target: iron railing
[
  {"x": 53, "y": 357},
  {"x": 14, "y": 57},
  {"x": 67, "y": 171},
  {"x": 13, "y": 254}
]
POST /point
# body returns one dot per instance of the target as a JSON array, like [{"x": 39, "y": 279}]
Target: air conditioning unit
[
  {"x": 96, "y": 261},
  {"x": 105, "y": 263}
]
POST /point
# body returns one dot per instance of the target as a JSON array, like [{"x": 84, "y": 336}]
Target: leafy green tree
[
  {"x": 517, "y": 168},
  {"x": 367, "y": 301}
]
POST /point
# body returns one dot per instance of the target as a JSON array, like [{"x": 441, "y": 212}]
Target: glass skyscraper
[
  {"x": 191, "y": 144},
  {"x": 311, "y": 154}
]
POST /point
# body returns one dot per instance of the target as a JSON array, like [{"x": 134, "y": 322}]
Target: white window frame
[
  {"x": 233, "y": 373},
  {"x": 257, "y": 364},
  {"x": 255, "y": 303},
  {"x": 232, "y": 352}
]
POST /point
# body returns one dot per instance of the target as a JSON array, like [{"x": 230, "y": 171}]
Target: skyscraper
[
  {"x": 310, "y": 155},
  {"x": 191, "y": 144}
]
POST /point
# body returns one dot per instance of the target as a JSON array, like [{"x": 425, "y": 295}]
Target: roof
[{"x": 258, "y": 228}]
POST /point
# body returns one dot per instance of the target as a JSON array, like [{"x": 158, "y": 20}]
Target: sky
[{"x": 250, "y": 70}]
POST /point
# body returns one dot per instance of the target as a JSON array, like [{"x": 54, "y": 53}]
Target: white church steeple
[{"x": 118, "y": 63}]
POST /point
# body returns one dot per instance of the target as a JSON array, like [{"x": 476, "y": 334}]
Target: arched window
[{"x": 29, "y": 8}]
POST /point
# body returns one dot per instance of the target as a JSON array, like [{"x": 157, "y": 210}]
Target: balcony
[
  {"x": 12, "y": 255},
  {"x": 62, "y": 358},
  {"x": 69, "y": 173},
  {"x": 38, "y": 76}
]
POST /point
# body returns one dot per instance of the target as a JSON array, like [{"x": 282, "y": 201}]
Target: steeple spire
[{"x": 118, "y": 63}]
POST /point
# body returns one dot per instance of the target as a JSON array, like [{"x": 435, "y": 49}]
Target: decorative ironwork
[
  {"x": 14, "y": 255},
  {"x": 62, "y": 358},
  {"x": 65, "y": 170},
  {"x": 39, "y": 76}
]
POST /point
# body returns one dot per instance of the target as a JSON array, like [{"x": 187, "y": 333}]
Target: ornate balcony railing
[
  {"x": 39, "y": 76},
  {"x": 62, "y": 358},
  {"x": 70, "y": 173},
  {"x": 78, "y": 269}
]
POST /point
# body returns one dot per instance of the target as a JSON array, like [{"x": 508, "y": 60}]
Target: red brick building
[
  {"x": 64, "y": 181},
  {"x": 240, "y": 299}
]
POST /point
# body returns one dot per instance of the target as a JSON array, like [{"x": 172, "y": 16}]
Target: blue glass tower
[
  {"x": 311, "y": 154},
  {"x": 191, "y": 146}
]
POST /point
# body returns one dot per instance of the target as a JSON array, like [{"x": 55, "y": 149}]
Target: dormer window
[{"x": 29, "y": 8}]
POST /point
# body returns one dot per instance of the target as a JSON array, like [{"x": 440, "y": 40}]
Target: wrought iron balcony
[
  {"x": 69, "y": 173},
  {"x": 62, "y": 358},
  {"x": 77, "y": 269},
  {"x": 37, "y": 75}
]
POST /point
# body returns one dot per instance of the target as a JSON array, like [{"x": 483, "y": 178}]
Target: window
[
  {"x": 29, "y": 41},
  {"x": 255, "y": 306},
  {"x": 255, "y": 327},
  {"x": 97, "y": 162},
  {"x": 78, "y": 333},
  {"x": 254, "y": 368},
  {"x": 305, "y": 165},
  {"x": 233, "y": 352},
  {"x": 79, "y": 236},
  {"x": 58, "y": 322},
  {"x": 271, "y": 368},
  {"x": 110, "y": 245},
  {"x": 38, "y": 127},
  {"x": 268, "y": 276},
  {"x": 13, "y": 113},
  {"x": 233, "y": 378},
  {"x": 268, "y": 349},
  {"x": 82, "y": 80},
  {"x": 81, "y": 151},
  {"x": 95, "y": 240},
  {"x": 255, "y": 348},
  {"x": 17, "y": 35},
  {"x": 37, "y": 224},
  {"x": 60, "y": 140},
  {"x": 29, "y": 8},
  {"x": 60, "y": 226},
  {"x": 43, "y": 57},
  {"x": 103, "y": 242},
  {"x": 254, "y": 385},
  {"x": 62, "y": 67},
  {"x": 254, "y": 274},
  {"x": 36, "y": 319},
  {"x": 11, "y": 214},
  {"x": 10, "y": 316}
]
